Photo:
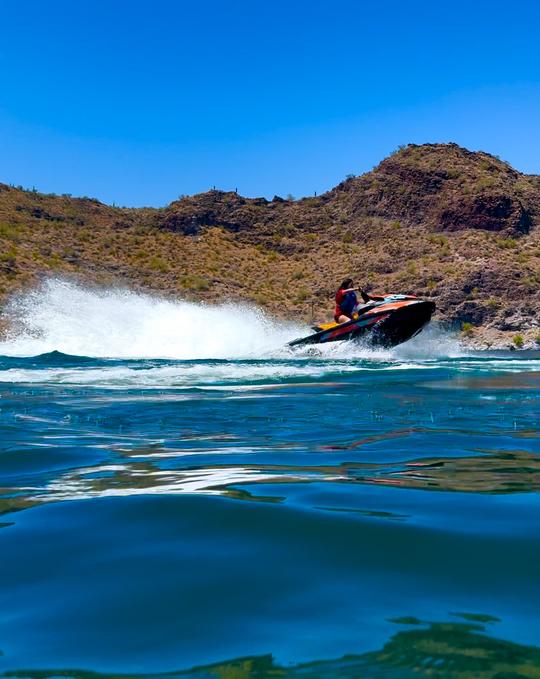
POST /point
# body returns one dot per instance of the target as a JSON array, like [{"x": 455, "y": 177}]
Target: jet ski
[{"x": 386, "y": 320}]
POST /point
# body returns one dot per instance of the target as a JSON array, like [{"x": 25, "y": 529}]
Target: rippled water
[{"x": 342, "y": 514}]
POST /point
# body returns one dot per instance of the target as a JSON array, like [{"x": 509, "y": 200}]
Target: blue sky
[{"x": 138, "y": 102}]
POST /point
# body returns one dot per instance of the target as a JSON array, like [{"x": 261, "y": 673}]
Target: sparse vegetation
[{"x": 477, "y": 254}]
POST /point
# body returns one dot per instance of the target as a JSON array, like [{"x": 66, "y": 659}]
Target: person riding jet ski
[{"x": 346, "y": 301}]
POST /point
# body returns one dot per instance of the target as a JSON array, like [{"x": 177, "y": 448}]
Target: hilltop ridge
[{"x": 457, "y": 226}]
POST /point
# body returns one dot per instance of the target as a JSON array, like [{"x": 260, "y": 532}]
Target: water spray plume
[{"x": 114, "y": 323}]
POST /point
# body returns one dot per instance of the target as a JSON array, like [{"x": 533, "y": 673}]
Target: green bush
[
  {"x": 285, "y": 230},
  {"x": 196, "y": 283},
  {"x": 302, "y": 295},
  {"x": 467, "y": 329},
  {"x": 158, "y": 264},
  {"x": 518, "y": 341},
  {"x": 438, "y": 240},
  {"x": 8, "y": 231},
  {"x": 484, "y": 183},
  {"x": 9, "y": 255},
  {"x": 261, "y": 299},
  {"x": 506, "y": 243}
]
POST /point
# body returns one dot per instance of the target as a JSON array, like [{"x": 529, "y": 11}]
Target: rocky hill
[{"x": 437, "y": 220}]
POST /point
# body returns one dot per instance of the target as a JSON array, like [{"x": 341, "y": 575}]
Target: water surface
[{"x": 350, "y": 514}]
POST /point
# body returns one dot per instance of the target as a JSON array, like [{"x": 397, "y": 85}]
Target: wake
[{"x": 111, "y": 323}]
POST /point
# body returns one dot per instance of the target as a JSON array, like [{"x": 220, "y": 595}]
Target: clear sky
[{"x": 137, "y": 102}]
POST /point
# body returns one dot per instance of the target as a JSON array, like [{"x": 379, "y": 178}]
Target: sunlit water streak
[{"x": 164, "y": 513}]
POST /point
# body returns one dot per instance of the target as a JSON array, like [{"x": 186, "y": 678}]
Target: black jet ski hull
[
  {"x": 385, "y": 323},
  {"x": 403, "y": 324}
]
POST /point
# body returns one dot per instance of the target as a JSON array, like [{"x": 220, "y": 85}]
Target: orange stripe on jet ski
[
  {"x": 390, "y": 306},
  {"x": 352, "y": 328}
]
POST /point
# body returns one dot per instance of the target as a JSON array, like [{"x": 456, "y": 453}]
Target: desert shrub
[
  {"x": 467, "y": 329},
  {"x": 8, "y": 231},
  {"x": 9, "y": 254},
  {"x": 54, "y": 261},
  {"x": 261, "y": 299},
  {"x": 285, "y": 230},
  {"x": 518, "y": 341},
  {"x": 438, "y": 240},
  {"x": 302, "y": 295},
  {"x": 506, "y": 243},
  {"x": 158, "y": 264},
  {"x": 484, "y": 183},
  {"x": 196, "y": 283}
]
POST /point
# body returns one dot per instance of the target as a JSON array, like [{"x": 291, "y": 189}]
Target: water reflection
[
  {"x": 492, "y": 472},
  {"x": 440, "y": 650}
]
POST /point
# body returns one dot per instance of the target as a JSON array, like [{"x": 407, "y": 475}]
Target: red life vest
[{"x": 345, "y": 303}]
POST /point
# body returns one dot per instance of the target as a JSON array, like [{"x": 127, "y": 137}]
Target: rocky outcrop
[
  {"x": 446, "y": 187},
  {"x": 228, "y": 210},
  {"x": 495, "y": 212}
]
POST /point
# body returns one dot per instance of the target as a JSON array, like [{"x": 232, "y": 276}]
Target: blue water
[
  {"x": 161, "y": 515},
  {"x": 182, "y": 496}
]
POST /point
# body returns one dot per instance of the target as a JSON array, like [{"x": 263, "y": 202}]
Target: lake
[{"x": 338, "y": 513}]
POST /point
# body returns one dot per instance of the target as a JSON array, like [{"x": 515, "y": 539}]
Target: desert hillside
[{"x": 459, "y": 227}]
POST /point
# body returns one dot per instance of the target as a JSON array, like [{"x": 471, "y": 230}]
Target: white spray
[{"x": 63, "y": 316}]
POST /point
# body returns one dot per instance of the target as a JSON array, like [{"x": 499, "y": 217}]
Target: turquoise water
[{"x": 369, "y": 515}]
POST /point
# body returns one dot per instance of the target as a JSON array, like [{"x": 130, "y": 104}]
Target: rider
[{"x": 346, "y": 300}]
